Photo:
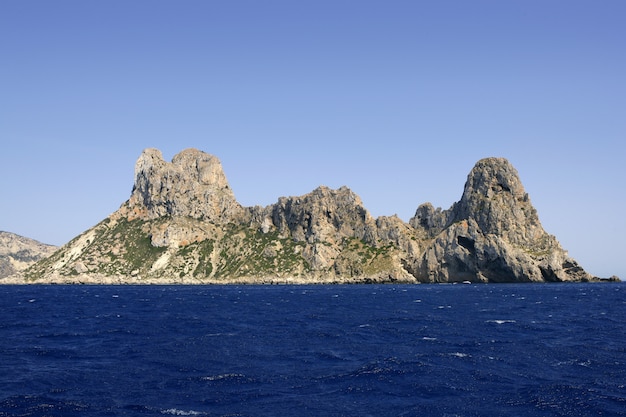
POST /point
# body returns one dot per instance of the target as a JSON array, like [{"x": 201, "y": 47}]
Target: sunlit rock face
[{"x": 192, "y": 185}]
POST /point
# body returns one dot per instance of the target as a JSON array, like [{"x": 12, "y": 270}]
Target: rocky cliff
[
  {"x": 492, "y": 234},
  {"x": 183, "y": 224},
  {"x": 18, "y": 253}
]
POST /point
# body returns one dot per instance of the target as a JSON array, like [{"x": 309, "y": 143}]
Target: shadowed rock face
[{"x": 183, "y": 224}]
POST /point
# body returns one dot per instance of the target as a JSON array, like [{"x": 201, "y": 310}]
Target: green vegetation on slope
[
  {"x": 248, "y": 252},
  {"x": 124, "y": 248}
]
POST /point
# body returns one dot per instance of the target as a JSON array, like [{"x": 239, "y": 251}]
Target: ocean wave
[
  {"x": 222, "y": 377},
  {"x": 459, "y": 354},
  {"x": 177, "y": 412},
  {"x": 501, "y": 321}
]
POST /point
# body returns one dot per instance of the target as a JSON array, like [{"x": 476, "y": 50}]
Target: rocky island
[{"x": 182, "y": 224}]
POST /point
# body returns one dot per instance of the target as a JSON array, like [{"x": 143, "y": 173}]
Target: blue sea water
[{"x": 354, "y": 350}]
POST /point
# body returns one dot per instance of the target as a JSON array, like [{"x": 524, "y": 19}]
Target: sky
[{"x": 395, "y": 99}]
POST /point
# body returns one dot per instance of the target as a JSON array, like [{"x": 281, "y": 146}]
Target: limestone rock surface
[
  {"x": 493, "y": 234},
  {"x": 192, "y": 185},
  {"x": 332, "y": 225}
]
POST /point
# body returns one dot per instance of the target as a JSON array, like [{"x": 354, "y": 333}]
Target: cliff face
[
  {"x": 492, "y": 234},
  {"x": 182, "y": 224},
  {"x": 192, "y": 185},
  {"x": 18, "y": 253}
]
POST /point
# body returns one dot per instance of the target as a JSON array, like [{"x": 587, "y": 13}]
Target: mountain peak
[
  {"x": 192, "y": 185},
  {"x": 492, "y": 234},
  {"x": 495, "y": 198},
  {"x": 490, "y": 176}
]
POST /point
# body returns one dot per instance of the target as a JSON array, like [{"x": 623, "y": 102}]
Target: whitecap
[
  {"x": 578, "y": 362},
  {"x": 501, "y": 321},
  {"x": 222, "y": 376},
  {"x": 459, "y": 354},
  {"x": 430, "y": 339},
  {"x": 176, "y": 412}
]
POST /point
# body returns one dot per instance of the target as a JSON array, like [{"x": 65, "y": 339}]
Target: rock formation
[
  {"x": 192, "y": 185},
  {"x": 18, "y": 253},
  {"x": 182, "y": 224},
  {"x": 492, "y": 234}
]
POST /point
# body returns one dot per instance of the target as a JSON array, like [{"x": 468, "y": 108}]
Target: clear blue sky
[{"x": 395, "y": 99}]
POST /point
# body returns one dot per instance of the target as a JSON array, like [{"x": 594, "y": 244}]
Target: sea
[{"x": 320, "y": 350}]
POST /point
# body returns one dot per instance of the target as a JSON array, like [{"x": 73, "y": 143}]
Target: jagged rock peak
[
  {"x": 192, "y": 185},
  {"x": 201, "y": 166},
  {"x": 495, "y": 198},
  {"x": 322, "y": 213},
  {"x": 492, "y": 234},
  {"x": 490, "y": 176}
]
